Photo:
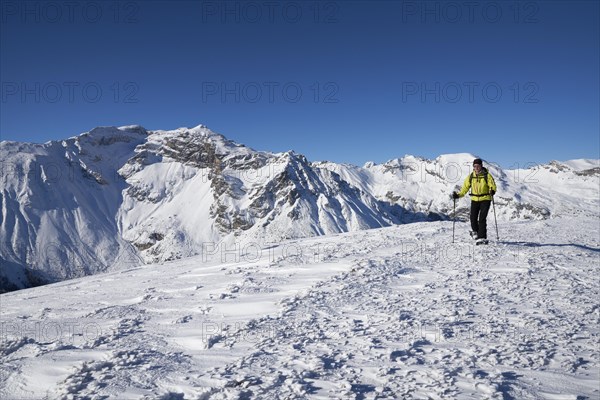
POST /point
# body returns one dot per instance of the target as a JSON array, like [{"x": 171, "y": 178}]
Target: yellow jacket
[{"x": 480, "y": 186}]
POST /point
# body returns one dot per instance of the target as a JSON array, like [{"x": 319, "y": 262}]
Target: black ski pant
[{"x": 479, "y": 212}]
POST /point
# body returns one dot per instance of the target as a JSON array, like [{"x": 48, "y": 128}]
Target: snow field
[{"x": 397, "y": 312}]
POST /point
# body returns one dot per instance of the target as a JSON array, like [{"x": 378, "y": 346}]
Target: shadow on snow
[{"x": 533, "y": 244}]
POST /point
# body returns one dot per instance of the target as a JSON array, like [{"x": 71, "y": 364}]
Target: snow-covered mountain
[
  {"x": 423, "y": 186},
  {"x": 117, "y": 197}
]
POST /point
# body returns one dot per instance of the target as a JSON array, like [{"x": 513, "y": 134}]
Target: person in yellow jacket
[{"x": 483, "y": 187}]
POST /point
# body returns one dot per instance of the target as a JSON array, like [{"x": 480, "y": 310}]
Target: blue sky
[{"x": 345, "y": 81}]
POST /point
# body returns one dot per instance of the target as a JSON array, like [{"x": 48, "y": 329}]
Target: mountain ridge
[{"x": 122, "y": 196}]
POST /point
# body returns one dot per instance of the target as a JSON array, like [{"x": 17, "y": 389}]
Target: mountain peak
[{"x": 118, "y": 193}]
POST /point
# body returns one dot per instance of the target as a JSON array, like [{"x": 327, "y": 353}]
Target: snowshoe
[{"x": 481, "y": 241}]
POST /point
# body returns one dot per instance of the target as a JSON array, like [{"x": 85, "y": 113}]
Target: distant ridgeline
[{"x": 117, "y": 197}]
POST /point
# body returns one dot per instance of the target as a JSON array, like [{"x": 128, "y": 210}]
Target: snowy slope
[
  {"x": 119, "y": 197},
  {"x": 200, "y": 187},
  {"x": 538, "y": 192},
  {"x": 396, "y": 312},
  {"x": 59, "y": 202},
  {"x": 114, "y": 197}
]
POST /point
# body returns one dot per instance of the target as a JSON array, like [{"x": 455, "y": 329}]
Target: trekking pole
[
  {"x": 495, "y": 221},
  {"x": 453, "y": 219}
]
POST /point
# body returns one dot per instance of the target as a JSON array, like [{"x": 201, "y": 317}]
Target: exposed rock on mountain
[{"x": 117, "y": 197}]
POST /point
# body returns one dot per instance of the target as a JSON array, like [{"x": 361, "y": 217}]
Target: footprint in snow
[{"x": 184, "y": 320}]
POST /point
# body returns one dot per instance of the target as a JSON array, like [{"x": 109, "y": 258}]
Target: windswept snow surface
[{"x": 397, "y": 312}]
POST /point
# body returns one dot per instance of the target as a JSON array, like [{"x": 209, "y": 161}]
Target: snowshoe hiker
[{"x": 483, "y": 187}]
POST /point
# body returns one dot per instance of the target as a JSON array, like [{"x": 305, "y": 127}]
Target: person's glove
[
  {"x": 492, "y": 192},
  {"x": 455, "y": 195}
]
